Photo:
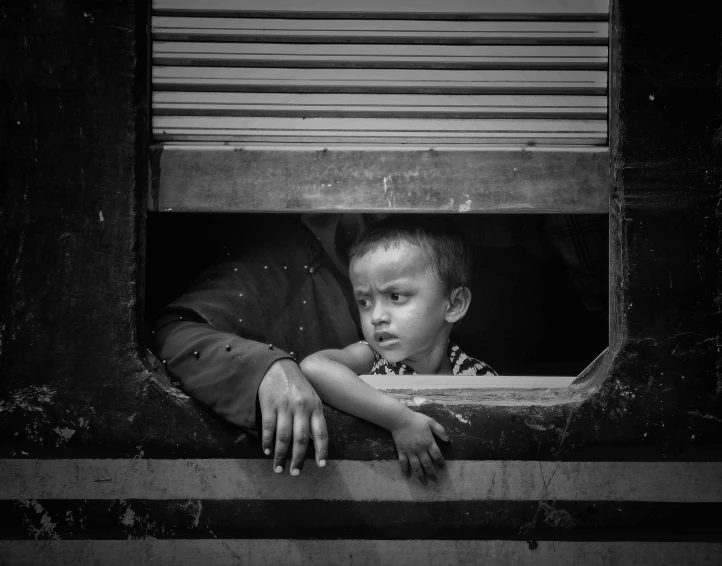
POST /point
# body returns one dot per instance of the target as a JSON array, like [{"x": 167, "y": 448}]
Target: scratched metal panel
[{"x": 222, "y": 179}]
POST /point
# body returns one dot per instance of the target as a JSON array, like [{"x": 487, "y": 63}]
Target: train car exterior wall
[{"x": 104, "y": 461}]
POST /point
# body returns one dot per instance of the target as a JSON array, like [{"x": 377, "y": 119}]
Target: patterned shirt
[{"x": 461, "y": 364}]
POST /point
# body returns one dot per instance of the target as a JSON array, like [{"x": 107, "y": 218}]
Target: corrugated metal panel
[{"x": 378, "y": 74}]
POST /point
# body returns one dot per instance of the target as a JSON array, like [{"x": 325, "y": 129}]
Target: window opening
[
  {"x": 540, "y": 285},
  {"x": 265, "y": 107}
]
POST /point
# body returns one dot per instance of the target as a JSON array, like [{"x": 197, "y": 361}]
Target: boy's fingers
[
  {"x": 436, "y": 455},
  {"x": 428, "y": 466},
  {"x": 319, "y": 432},
  {"x": 439, "y": 431},
  {"x": 283, "y": 439},
  {"x": 268, "y": 432},
  {"x": 404, "y": 463},
  {"x": 300, "y": 443},
  {"x": 417, "y": 469}
]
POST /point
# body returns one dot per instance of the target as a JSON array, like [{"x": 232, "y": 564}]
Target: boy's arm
[{"x": 334, "y": 376}]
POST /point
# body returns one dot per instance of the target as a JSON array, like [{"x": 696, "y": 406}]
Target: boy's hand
[{"x": 414, "y": 438}]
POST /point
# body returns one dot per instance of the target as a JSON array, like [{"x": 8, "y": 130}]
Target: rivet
[
  {"x": 164, "y": 361},
  {"x": 265, "y": 267},
  {"x": 235, "y": 269},
  {"x": 196, "y": 354},
  {"x": 311, "y": 270},
  {"x": 300, "y": 327},
  {"x": 228, "y": 347},
  {"x": 305, "y": 266},
  {"x": 304, "y": 302},
  {"x": 294, "y": 355},
  {"x": 284, "y": 267},
  {"x": 240, "y": 320},
  {"x": 270, "y": 346},
  {"x": 240, "y": 294}
]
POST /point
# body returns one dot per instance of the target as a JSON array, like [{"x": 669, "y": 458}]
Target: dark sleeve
[
  {"x": 220, "y": 369},
  {"x": 216, "y": 338}
]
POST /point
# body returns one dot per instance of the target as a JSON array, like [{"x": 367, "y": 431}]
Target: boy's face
[{"x": 401, "y": 303}]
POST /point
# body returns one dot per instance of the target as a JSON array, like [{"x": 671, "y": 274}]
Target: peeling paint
[
  {"x": 64, "y": 433},
  {"x": 128, "y": 519},
  {"x": 462, "y": 418},
  {"x": 466, "y": 206},
  {"x": 46, "y": 530},
  {"x": 389, "y": 191},
  {"x": 28, "y": 399}
]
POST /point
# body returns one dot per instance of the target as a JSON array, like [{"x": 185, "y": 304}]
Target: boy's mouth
[{"x": 385, "y": 338}]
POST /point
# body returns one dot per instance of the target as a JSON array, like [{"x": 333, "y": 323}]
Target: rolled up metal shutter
[{"x": 381, "y": 73}]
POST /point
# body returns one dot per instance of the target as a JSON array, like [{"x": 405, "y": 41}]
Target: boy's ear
[{"x": 459, "y": 301}]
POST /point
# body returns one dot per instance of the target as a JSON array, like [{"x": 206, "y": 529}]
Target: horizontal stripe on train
[
  {"x": 359, "y": 552},
  {"x": 486, "y": 520},
  {"x": 699, "y": 482}
]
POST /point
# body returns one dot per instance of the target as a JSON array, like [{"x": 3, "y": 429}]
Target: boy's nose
[{"x": 379, "y": 315}]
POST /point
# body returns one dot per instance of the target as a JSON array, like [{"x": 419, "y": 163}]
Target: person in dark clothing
[{"x": 233, "y": 338}]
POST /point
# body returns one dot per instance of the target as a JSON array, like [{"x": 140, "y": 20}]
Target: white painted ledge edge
[{"x": 391, "y": 382}]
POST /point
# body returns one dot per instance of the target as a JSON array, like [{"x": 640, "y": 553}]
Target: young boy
[{"x": 411, "y": 283}]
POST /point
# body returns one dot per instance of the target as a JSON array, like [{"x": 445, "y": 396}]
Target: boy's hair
[{"x": 449, "y": 255}]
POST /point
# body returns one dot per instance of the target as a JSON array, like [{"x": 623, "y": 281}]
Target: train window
[
  {"x": 494, "y": 111},
  {"x": 539, "y": 310}
]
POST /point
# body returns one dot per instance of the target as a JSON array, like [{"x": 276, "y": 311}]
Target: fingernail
[
  {"x": 279, "y": 469},
  {"x": 295, "y": 472},
  {"x": 322, "y": 463},
  {"x": 267, "y": 451}
]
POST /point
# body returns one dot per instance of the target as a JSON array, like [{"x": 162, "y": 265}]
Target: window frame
[{"x": 527, "y": 390}]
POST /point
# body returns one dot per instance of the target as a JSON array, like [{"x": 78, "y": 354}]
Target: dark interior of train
[{"x": 540, "y": 281}]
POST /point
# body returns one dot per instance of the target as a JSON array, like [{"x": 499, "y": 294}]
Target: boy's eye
[
  {"x": 363, "y": 303},
  {"x": 394, "y": 296},
  {"x": 397, "y": 297}
]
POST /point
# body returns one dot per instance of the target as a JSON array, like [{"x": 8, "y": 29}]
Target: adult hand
[{"x": 291, "y": 411}]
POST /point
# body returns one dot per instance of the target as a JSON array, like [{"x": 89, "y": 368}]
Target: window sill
[{"x": 497, "y": 390}]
